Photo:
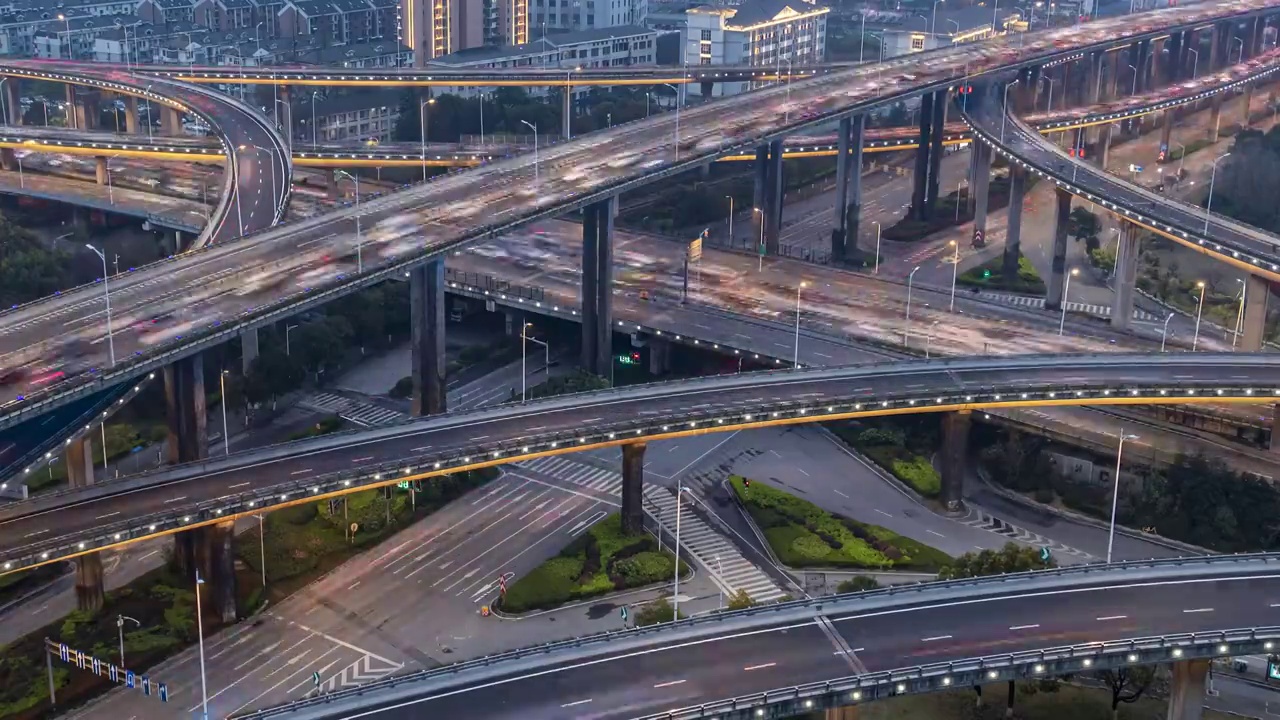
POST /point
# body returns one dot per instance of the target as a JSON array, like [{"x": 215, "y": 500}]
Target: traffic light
[
  {"x": 986, "y": 273},
  {"x": 632, "y": 359},
  {"x": 746, "y": 482}
]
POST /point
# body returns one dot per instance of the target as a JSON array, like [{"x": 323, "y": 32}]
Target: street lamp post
[
  {"x": 1182, "y": 155},
  {"x": 204, "y": 689},
  {"x": 876, "y": 271},
  {"x": 730, "y": 219},
  {"x": 535, "y": 148},
  {"x": 676, "y": 90},
  {"x": 1005, "y": 120},
  {"x": 906, "y": 330},
  {"x": 1049, "y": 105},
  {"x": 120, "y": 629},
  {"x": 262, "y": 548},
  {"x": 1195, "y": 62},
  {"x": 933, "y": 20},
  {"x": 288, "y": 329},
  {"x": 955, "y": 269},
  {"x": 359, "y": 237},
  {"x": 795, "y": 358},
  {"x": 1066, "y": 288},
  {"x": 1213, "y": 175},
  {"x": 1134, "y": 91},
  {"x": 423, "y": 113},
  {"x": 106, "y": 294},
  {"x": 1164, "y": 333},
  {"x": 546, "y": 348},
  {"x": 1115, "y": 493},
  {"x": 675, "y": 595},
  {"x": 928, "y": 337},
  {"x": 1244, "y": 291},
  {"x": 222, "y": 390},
  {"x": 1195, "y": 339},
  {"x": 314, "y": 94}
]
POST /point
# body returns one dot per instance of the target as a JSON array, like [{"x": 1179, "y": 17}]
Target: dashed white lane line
[
  {"x": 935, "y": 638},
  {"x": 1199, "y": 610},
  {"x": 1024, "y": 627},
  {"x": 1111, "y": 617},
  {"x": 576, "y": 702},
  {"x": 761, "y": 666},
  {"x": 174, "y": 500},
  {"x": 839, "y": 493},
  {"x": 934, "y": 532},
  {"x": 670, "y": 683},
  {"x": 883, "y": 513}
]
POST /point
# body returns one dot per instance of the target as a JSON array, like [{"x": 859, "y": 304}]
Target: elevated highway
[
  {"x": 784, "y": 660},
  {"x": 70, "y": 523},
  {"x": 516, "y": 191}
]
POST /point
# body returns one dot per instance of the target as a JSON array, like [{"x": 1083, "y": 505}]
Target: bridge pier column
[
  {"x": 80, "y": 222},
  {"x": 185, "y": 411},
  {"x": 1218, "y": 45},
  {"x": 848, "y": 712},
  {"x": 13, "y": 102},
  {"x": 1113, "y": 75},
  {"x": 597, "y": 287},
  {"x": 1126, "y": 279},
  {"x": 1013, "y": 231},
  {"x": 773, "y": 198},
  {"x": 1057, "y": 280},
  {"x": 659, "y": 357},
  {"x": 427, "y": 331},
  {"x": 88, "y": 111},
  {"x": 939, "y": 124},
  {"x": 1104, "y": 145},
  {"x": 1186, "y": 693},
  {"x": 89, "y": 589},
  {"x": 844, "y": 238},
  {"x": 1169, "y": 69},
  {"x": 170, "y": 121},
  {"x": 1144, "y": 65},
  {"x": 1166, "y": 129},
  {"x": 209, "y": 551},
  {"x": 101, "y": 171},
  {"x": 71, "y": 106},
  {"x": 954, "y": 457},
  {"x": 1257, "y": 295},
  {"x": 1215, "y": 117},
  {"x": 1246, "y": 99},
  {"x": 131, "y": 115},
  {"x": 920, "y": 174},
  {"x": 248, "y": 349},
  {"x": 760, "y": 179},
  {"x": 981, "y": 191},
  {"x": 8, "y": 160},
  {"x": 633, "y": 487},
  {"x": 566, "y": 114}
]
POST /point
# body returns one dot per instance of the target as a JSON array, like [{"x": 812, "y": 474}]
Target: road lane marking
[
  {"x": 363, "y": 459},
  {"x": 761, "y": 666},
  {"x": 299, "y": 472},
  {"x": 38, "y": 532},
  {"x": 1024, "y": 627},
  {"x": 839, "y": 493},
  {"x": 100, "y": 517},
  {"x": 174, "y": 500},
  {"x": 883, "y": 513},
  {"x": 353, "y": 585},
  {"x": 1198, "y": 610},
  {"x": 669, "y": 684},
  {"x": 233, "y": 487},
  {"x": 1112, "y": 617},
  {"x": 934, "y": 532},
  {"x": 576, "y": 702},
  {"x": 935, "y": 637},
  {"x": 478, "y": 437}
]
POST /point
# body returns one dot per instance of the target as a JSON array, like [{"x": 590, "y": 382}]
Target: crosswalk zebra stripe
[
  {"x": 1076, "y": 307},
  {"x": 359, "y": 412}
]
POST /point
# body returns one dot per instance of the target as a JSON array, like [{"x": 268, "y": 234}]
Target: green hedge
[
  {"x": 990, "y": 276},
  {"x": 804, "y": 535},
  {"x": 600, "y": 561},
  {"x": 918, "y": 472}
]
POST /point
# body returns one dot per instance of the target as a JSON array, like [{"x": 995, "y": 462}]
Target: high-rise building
[
  {"x": 548, "y": 16},
  {"x": 435, "y": 28}
]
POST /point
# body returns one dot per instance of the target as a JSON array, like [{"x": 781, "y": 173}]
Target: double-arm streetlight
[
  {"x": 933, "y": 20},
  {"x": 422, "y": 111},
  {"x": 1213, "y": 175},
  {"x": 534, "y": 128},
  {"x": 106, "y": 294},
  {"x": 359, "y": 238},
  {"x": 314, "y": 95}
]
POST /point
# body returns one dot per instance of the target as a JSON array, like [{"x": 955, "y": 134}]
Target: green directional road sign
[
  {"x": 624, "y": 613},
  {"x": 1045, "y": 554},
  {"x": 315, "y": 679}
]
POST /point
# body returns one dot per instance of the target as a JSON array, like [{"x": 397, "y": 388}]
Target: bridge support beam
[
  {"x": 1246, "y": 99},
  {"x": 1186, "y": 692},
  {"x": 566, "y": 114},
  {"x": 939, "y": 124},
  {"x": 131, "y": 114},
  {"x": 597, "y": 287},
  {"x": 1257, "y": 295},
  {"x": 170, "y": 121},
  {"x": 185, "y": 410},
  {"x": 248, "y": 349},
  {"x": 1126, "y": 280},
  {"x": 633, "y": 487},
  {"x": 8, "y": 160},
  {"x": 1215, "y": 117},
  {"x": 1057, "y": 279},
  {"x": 954, "y": 457},
  {"x": 426, "y": 298},
  {"x": 13, "y": 102},
  {"x": 1013, "y": 230},
  {"x": 844, "y": 238},
  {"x": 101, "y": 170},
  {"x": 210, "y": 552},
  {"x": 89, "y": 588},
  {"x": 981, "y": 184}
]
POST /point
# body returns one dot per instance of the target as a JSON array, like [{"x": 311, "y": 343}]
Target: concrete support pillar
[
  {"x": 1167, "y": 65},
  {"x": 185, "y": 410},
  {"x": 1013, "y": 691},
  {"x": 1218, "y": 45},
  {"x": 566, "y": 114},
  {"x": 939, "y": 123},
  {"x": 954, "y": 458},
  {"x": 1057, "y": 279},
  {"x": 210, "y": 552},
  {"x": 88, "y": 111},
  {"x": 131, "y": 115},
  {"x": 844, "y": 237},
  {"x": 849, "y": 712},
  {"x": 248, "y": 349},
  {"x": 12, "y": 102},
  {"x": 426, "y": 298},
  {"x": 597, "y": 287},
  {"x": 1013, "y": 231},
  {"x": 760, "y": 179},
  {"x": 1257, "y": 295},
  {"x": 920, "y": 174},
  {"x": 71, "y": 106},
  {"x": 1246, "y": 99},
  {"x": 1166, "y": 130},
  {"x": 981, "y": 192},
  {"x": 1215, "y": 117},
  {"x": 1093, "y": 84},
  {"x": 1113, "y": 75},
  {"x": 659, "y": 357},
  {"x": 773, "y": 198},
  {"x": 1144, "y": 65},
  {"x": 332, "y": 190},
  {"x": 170, "y": 121},
  {"x": 8, "y": 160},
  {"x": 80, "y": 222},
  {"x": 1126, "y": 280},
  {"x": 283, "y": 113},
  {"x": 89, "y": 589},
  {"x": 1186, "y": 692},
  {"x": 101, "y": 171},
  {"x": 1104, "y": 145},
  {"x": 633, "y": 487}
]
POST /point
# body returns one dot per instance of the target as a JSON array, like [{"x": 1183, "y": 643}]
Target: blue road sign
[
  {"x": 114, "y": 673},
  {"x": 64, "y": 652},
  {"x": 164, "y": 692},
  {"x": 146, "y": 686},
  {"x": 130, "y": 680},
  {"x": 97, "y": 666}
]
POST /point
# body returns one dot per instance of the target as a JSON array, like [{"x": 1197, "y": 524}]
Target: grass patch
[
  {"x": 989, "y": 276},
  {"x": 889, "y": 449},
  {"x": 658, "y": 611},
  {"x": 804, "y": 535},
  {"x": 602, "y": 560}
]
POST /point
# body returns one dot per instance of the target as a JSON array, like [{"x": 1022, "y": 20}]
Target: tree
[
  {"x": 273, "y": 373},
  {"x": 1083, "y": 224},
  {"x": 740, "y": 600},
  {"x": 1009, "y": 559},
  {"x": 658, "y": 611},
  {"x": 1127, "y": 684},
  {"x": 28, "y": 270}
]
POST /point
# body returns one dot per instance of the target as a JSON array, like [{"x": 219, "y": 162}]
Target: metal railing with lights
[
  {"x": 728, "y": 413},
  {"x": 868, "y": 686}
]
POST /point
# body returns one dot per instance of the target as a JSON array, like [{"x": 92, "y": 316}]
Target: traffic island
[
  {"x": 803, "y": 535},
  {"x": 601, "y": 561},
  {"x": 990, "y": 276},
  {"x": 902, "y": 452}
]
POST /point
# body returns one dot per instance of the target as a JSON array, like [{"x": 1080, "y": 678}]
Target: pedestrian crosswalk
[
  {"x": 352, "y": 410},
  {"x": 718, "y": 557},
  {"x": 366, "y": 669},
  {"x": 985, "y": 521},
  {"x": 1075, "y": 307}
]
